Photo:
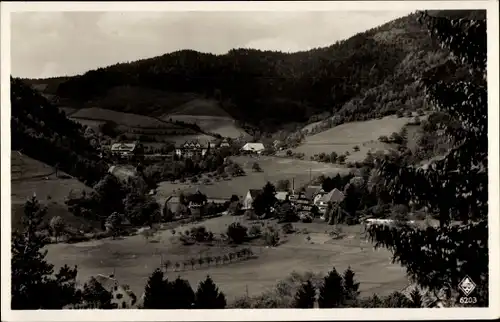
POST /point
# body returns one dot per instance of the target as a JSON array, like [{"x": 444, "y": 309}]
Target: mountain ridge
[{"x": 269, "y": 89}]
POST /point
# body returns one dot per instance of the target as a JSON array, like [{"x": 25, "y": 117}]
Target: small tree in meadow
[
  {"x": 57, "y": 225},
  {"x": 256, "y": 167},
  {"x": 237, "y": 233}
]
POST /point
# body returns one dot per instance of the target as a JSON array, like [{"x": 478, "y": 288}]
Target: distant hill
[{"x": 371, "y": 74}]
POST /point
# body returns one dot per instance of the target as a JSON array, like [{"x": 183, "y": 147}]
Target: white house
[
  {"x": 123, "y": 149},
  {"x": 253, "y": 147},
  {"x": 192, "y": 148},
  {"x": 250, "y": 197},
  {"x": 122, "y": 296},
  {"x": 334, "y": 196}
]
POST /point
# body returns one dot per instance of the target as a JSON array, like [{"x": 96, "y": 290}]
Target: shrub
[
  {"x": 287, "y": 228},
  {"x": 200, "y": 234},
  {"x": 383, "y": 139},
  {"x": 255, "y": 230},
  {"x": 237, "y": 233},
  {"x": 356, "y": 148},
  {"x": 271, "y": 237}
]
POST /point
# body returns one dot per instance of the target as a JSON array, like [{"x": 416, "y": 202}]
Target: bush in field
[
  {"x": 255, "y": 230},
  {"x": 237, "y": 233},
  {"x": 271, "y": 237}
]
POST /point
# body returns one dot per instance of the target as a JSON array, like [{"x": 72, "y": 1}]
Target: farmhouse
[
  {"x": 196, "y": 203},
  {"x": 123, "y": 297},
  {"x": 335, "y": 196},
  {"x": 311, "y": 192},
  {"x": 124, "y": 150},
  {"x": 250, "y": 197},
  {"x": 253, "y": 147},
  {"x": 190, "y": 149}
]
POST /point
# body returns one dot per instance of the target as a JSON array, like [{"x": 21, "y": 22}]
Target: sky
[{"x": 48, "y": 44}]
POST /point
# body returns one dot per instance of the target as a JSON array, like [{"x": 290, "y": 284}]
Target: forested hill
[
  {"x": 44, "y": 133},
  {"x": 368, "y": 75}
]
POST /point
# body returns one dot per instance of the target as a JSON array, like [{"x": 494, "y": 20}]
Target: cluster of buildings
[
  {"x": 303, "y": 201},
  {"x": 188, "y": 149}
]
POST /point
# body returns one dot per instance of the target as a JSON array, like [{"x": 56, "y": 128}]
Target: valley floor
[{"x": 133, "y": 259}]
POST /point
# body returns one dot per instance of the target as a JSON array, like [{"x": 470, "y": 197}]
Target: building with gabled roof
[
  {"x": 335, "y": 196},
  {"x": 192, "y": 148},
  {"x": 250, "y": 197},
  {"x": 253, "y": 147}
]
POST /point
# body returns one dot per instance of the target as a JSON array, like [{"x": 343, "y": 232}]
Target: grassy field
[
  {"x": 29, "y": 176},
  {"x": 209, "y": 116},
  {"x": 345, "y": 137},
  {"x": 120, "y": 118},
  {"x": 133, "y": 259},
  {"x": 274, "y": 169},
  {"x": 134, "y": 126}
]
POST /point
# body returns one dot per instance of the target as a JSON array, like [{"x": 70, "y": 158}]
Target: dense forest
[
  {"x": 43, "y": 132},
  {"x": 371, "y": 74}
]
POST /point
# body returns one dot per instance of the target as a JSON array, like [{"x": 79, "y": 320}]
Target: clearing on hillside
[
  {"x": 29, "y": 176},
  {"x": 133, "y": 259},
  {"x": 346, "y": 136},
  {"x": 136, "y": 126},
  {"x": 209, "y": 116},
  {"x": 120, "y": 118}
]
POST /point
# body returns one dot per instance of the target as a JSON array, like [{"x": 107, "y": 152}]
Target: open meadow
[
  {"x": 208, "y": 115},
  {"x": 345, "y": 137},
  {"x": 273, "y": 169},
  {"x": 29, "y": 176},
  {"x": 133, "y": 259}
]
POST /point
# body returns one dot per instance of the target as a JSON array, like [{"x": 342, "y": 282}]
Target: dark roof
[
  {"x": 255, "y": 192},
  {"x": 311, "y": 191},
  {"x": 197, "y": 197}
]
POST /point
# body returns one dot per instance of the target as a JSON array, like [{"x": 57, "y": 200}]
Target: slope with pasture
[
  {"x": 29, "y": 177},
  {"x": 209, "y": 116},
  {"x": 345, "y": 137}
]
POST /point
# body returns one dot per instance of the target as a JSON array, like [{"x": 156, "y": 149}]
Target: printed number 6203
[{"x": 468, "y": 300}]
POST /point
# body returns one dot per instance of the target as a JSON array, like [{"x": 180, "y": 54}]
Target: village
[{"x": 308, "y": 201}]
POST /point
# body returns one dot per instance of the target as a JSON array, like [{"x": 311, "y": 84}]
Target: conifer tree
[
  {"x": 305, "y": 296},
  {"x": 184, "y": 296},
  {"x": 33, "y": 284},
  {"x": 350, "y": 285},
  {"x": 455, "y": 187},
  {"x": 208, "y": 296},
  {"x": 332, "y": 292},
  {"x": 157, "y": 292}
]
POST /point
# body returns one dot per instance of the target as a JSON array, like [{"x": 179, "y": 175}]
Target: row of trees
[
  {"x": 161, "y": 294},
  {"x": 243, "y": 253}
]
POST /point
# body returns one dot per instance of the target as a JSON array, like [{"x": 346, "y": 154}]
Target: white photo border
[{"x": 256, "y": 314}]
